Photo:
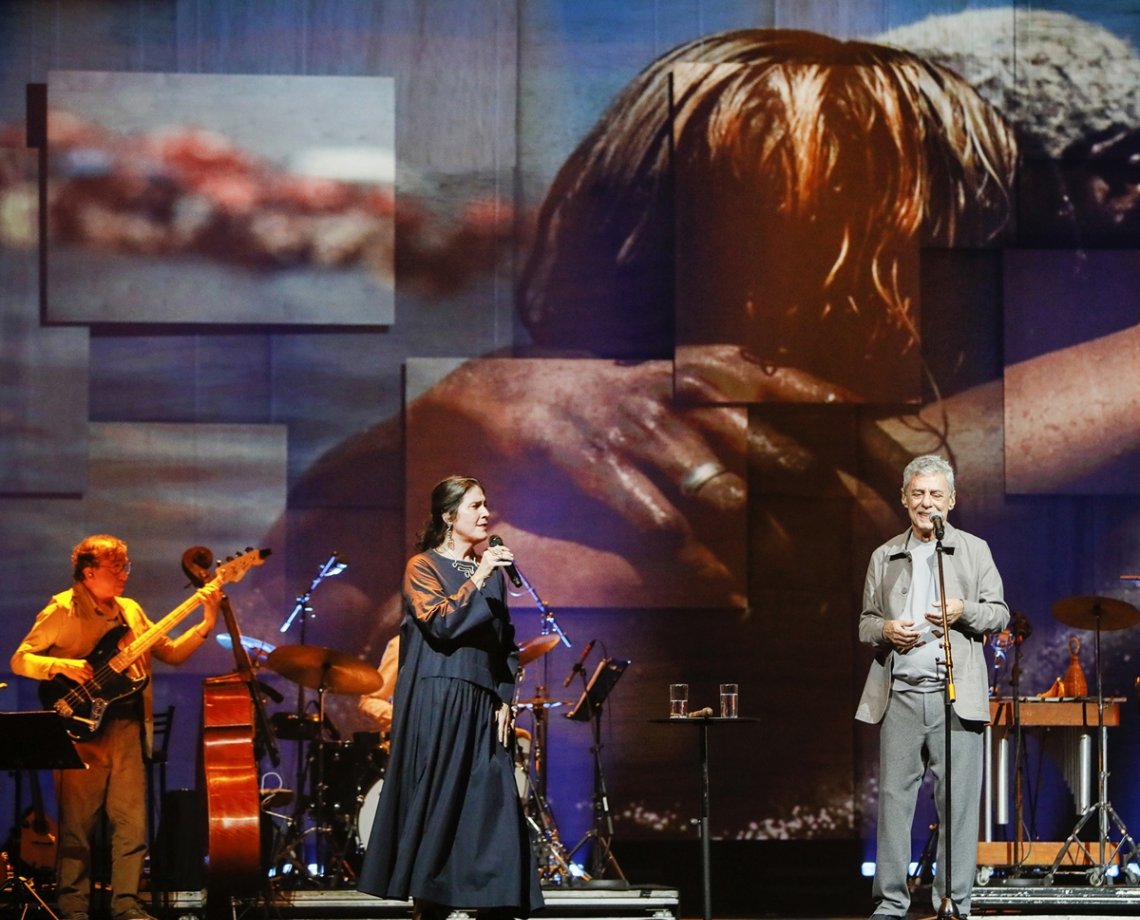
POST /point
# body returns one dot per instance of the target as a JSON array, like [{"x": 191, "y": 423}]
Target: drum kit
[
  {"x": 343, "y": 778},
  {"x": 340, "y": 776}
]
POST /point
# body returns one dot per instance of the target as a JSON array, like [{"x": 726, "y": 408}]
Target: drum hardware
[
  {"x": 292, "y": 726},
  {"x": 553, "y": 862},
  {"x": 554, "y": 866},
  {"x": 1099, "y": 614},
  {"x": 332, "y": 808}
]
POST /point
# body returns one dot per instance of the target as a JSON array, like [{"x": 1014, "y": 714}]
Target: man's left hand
[{"x": 955, "y": 607}]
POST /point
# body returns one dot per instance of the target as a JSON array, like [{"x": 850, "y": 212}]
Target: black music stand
[
  {"x": 589, "y": 706},
  {"x": 35, "y": 741}
]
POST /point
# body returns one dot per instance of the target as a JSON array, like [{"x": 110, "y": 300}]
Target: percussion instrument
[{"x": 323, "y": 669}]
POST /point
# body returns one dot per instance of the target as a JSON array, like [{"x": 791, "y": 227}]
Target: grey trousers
[
  {"x": 914, "y": 723},
  {"x": 115, "y": 783}
]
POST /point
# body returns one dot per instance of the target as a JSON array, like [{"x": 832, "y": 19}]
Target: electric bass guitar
[{"x": 113, "y": 660}]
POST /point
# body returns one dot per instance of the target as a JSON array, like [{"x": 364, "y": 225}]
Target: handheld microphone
[
  {"x": 939, "y": 525},
  {"x": 580, "y": 663},
  {"x": 512, "y": 572}
]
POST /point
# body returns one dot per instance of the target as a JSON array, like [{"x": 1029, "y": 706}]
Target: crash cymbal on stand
[
  {"x": 258, "y": 649},
  {"x": 534, "y": 648},
  {"x": 1091, "y": 612},
  {"x": 539, "y": 702},
  {"x": 324, "y": 669}
]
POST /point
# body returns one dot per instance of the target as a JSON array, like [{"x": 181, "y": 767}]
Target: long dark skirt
[{"x": 449, "y": 826}]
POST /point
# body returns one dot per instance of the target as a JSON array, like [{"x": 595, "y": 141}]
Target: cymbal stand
[
  {"x": 554, "y": 862},
  {"x": 29, "y": 898},
  {"x": 324, "y": 829},
  {"x": 334, "y": 565},
  {"x": 1126, "y": 850}
]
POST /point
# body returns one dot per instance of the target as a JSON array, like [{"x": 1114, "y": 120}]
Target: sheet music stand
[
  {"x": 602, "y": 681},
  {"x": 589, "y": 708},
  {"x": 35, "y": 741}
]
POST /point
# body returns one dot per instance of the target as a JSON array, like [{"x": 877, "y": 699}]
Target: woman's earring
[{"x": 450, "y": 541}]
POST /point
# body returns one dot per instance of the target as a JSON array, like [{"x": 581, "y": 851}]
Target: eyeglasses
[{"x": 123, "y": 568}]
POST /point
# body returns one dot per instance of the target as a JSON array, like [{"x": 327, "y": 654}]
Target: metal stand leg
[
  {"x": 554, "y": 865},
  {"x": 602, "y": 831},
  {"x": 1124, "y": 851},
  {"x": 28, "y": 897}
]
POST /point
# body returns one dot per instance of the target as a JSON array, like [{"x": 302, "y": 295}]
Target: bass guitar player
[{"x": 58, "y": 649}]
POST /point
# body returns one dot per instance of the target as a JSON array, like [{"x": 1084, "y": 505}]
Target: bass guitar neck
[{"x": 118, "y": 674}]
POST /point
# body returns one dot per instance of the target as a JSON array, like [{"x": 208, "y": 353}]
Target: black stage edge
[{"x": 757, "y": 878}]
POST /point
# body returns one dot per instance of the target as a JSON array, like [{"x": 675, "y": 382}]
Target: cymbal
[
  {"x": 324, "y": 668},
  {"x": 539, "y": 702},
  {"x": 258, "y": 649},
  {"x": 534, "y": 648},
  {"x": 1089, "y": 612}
]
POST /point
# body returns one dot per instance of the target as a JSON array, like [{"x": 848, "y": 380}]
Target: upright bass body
[{"x": 233, "y": 864}]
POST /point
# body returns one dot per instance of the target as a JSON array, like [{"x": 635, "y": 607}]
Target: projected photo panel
[
  {"x": 608, "y": 493},
  {"x": 1079, "y": 311},
  {"x": 43, "y": 399},
  {"x": 774, "y": 300},
  {"x": 205, "y": 198}
]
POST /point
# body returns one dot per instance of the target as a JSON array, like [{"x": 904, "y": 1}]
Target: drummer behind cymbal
[{"x": 377, "y": 705}]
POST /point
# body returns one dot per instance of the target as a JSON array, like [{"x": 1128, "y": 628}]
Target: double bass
[{"x": 233, "y": 722}]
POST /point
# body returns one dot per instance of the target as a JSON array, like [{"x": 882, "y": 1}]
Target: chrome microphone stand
[{"x": 554, "y": 862}]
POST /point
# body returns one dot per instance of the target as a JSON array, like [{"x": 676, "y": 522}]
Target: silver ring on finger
[{"x": 700, "y": 476}]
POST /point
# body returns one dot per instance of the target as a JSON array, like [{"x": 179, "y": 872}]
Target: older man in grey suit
[{"x": 906, "y": 688}]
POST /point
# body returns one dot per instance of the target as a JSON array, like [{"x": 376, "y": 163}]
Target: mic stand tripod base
[
  {"x": 948, "y": 910},
  {"x": 27, "y": 896}
]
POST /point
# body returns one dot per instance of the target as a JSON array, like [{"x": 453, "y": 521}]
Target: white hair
[
  {"x": 1056, "y": 77},
  {"x": 929, "y": 463}
]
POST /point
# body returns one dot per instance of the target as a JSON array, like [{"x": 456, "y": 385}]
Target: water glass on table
[
  {"x": 678, "y": 701},
  {"x": 729, "y": 701}
]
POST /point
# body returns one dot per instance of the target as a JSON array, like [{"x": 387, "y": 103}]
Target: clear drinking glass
[
  {"x": 729, "y": 701},
  {"x": 678, "y": 701}
]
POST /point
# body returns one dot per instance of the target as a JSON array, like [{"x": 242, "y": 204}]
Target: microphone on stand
[
  {"x": 512, "y": 572},
  {"x": 939, "y": 525},
  {"x": 580, "y": 663}
]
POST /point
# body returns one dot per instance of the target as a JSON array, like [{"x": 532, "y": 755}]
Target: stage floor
[
  {"x": 597, "y": 903},
  {"x": 663, "y": 903}
]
